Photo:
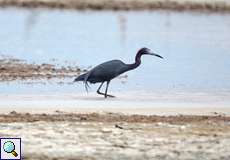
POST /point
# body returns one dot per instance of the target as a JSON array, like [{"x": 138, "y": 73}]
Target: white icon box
[{"x": 10, "y": 149}]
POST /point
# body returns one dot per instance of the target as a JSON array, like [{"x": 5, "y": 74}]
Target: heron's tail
[{"x": 80, "y": 78}]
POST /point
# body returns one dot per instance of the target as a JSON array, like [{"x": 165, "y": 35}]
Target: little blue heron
[{"x": 106, "y": 71}]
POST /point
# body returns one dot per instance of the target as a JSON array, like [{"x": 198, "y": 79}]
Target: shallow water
[{"x": 195, "y": 48}]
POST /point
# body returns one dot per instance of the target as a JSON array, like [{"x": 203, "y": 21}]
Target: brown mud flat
[
  {"x": 115, "y": 136},
  {"x": 175, "y": 5},
  {"x": 15, "y": 69},
  {"x": 111, "y": 117}
]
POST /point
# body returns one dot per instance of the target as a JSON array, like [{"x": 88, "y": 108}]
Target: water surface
[{"x": 195, "y": 48}]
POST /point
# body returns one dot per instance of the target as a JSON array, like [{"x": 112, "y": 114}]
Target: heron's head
[{"x": 148, "y": 51}]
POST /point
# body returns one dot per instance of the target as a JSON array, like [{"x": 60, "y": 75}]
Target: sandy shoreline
[
  {"x": 118, "y": 136},
  {"x": 94, "y": 128},
  {"x": 175, "y": 5},
  {"x": 90, "y": 127}
]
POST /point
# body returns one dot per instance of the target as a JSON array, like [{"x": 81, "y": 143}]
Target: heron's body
[{"x": 106, "y": 71}]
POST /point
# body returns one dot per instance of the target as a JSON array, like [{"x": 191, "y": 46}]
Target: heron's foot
[
  {"x": 98, "y": 92},
  {"x": 108, "y": 95}
]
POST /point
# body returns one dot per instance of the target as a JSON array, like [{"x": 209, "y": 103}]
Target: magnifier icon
[{"x": 9, "y": 147}]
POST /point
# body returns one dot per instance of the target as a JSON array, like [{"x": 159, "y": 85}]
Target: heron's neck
[{"x": 137, "y": 61}]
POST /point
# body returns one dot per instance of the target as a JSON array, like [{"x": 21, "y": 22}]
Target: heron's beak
[{"x": 157, "y": 55}]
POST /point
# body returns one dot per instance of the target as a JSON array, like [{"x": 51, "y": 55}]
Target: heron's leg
[
  {"x": 107, "y": 86},
  {"x": 86, "y": 86},
  {"x": 98, "y": 90}
]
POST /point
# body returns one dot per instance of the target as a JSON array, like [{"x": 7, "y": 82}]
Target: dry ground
[{"x": 118, "y": 136}]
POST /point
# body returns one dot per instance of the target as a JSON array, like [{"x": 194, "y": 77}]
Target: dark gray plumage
[{"x": 106, "y": 71}]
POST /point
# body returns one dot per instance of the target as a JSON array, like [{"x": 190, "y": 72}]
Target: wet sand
[
  {"x": 119, "y": 136},
  {"x": 90, "y": 127},
  {"x": 175, "y": 5}
]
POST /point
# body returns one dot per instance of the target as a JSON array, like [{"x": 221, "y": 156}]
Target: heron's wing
[{"x": 107, "y": 71}]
